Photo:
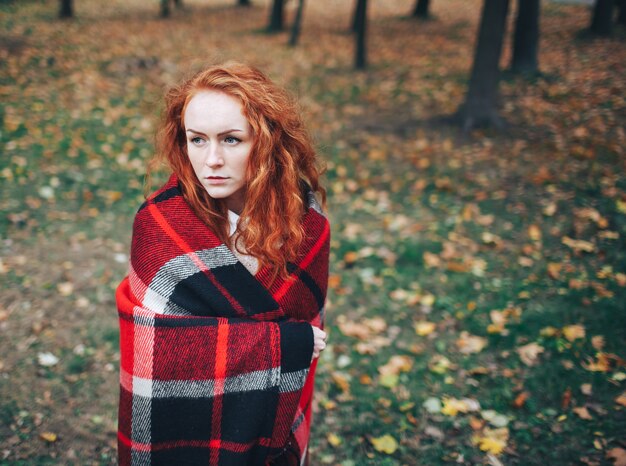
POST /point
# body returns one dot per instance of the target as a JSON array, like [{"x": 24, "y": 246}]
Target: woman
[{"x": 221, "y": 311}]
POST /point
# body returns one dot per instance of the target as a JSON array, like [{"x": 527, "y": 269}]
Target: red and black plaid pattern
[{"x": 215, "y": 362}]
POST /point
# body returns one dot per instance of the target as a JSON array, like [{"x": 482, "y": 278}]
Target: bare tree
[
  {"x": 244, "y": 2},
  {"x": 480, "y": 106},
  {"x": 421, "y": 9},
  {"x": 360, "y": 58},
  {"x": 621, "y": 17},
  {"x": 66, "y": 9},
  {"x": 526, "y": 37},
  {"x": 356, "y": 14},
  {"x": 165, "y": 7},
  {"x": 297, "y": 25},
  {"x": 277, "y": 16},
  {"x": 602, "y": 18}
]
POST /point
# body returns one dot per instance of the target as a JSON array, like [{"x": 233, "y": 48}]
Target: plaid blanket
[{"x": 215, "y": 362}]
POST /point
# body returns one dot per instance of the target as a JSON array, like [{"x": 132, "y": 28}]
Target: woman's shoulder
[{"x": 169, "y": 190}]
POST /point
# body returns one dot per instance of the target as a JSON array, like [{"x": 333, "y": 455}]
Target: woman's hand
[{"x": 319, "y": 341}]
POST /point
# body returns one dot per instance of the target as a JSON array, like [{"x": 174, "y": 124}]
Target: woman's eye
[
  {"x": 197, "y": 140},
  {"x": 231, "y": 140}
]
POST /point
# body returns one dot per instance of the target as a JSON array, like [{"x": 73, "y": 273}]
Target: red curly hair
[{"x": 282, "y": 158}]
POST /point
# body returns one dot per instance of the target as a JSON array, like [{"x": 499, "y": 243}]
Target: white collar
[{"x": 233, "y": 219}]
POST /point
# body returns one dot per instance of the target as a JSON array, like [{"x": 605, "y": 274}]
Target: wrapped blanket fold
[{"x": 215, "y": 362}]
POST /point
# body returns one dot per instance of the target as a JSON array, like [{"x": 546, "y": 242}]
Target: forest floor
[{"x": 477, "y": 303}]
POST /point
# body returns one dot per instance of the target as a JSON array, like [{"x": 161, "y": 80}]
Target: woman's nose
[{"x": 214, "y": 156}]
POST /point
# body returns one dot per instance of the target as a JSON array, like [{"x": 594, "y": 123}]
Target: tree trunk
[
  {"x": 421, "y": 9},
  {"x": 621, "y": 17},
  {"x": 356, "y": 14},
  {"x": 66, "y": 10},
  {"x": 360, "y": 59},
  {"x": 244, "y": 3},
  {"x": 480, "y": 106},
  {"x": 276, "y": 16},
  {"x": 165, "y": 8},
  {"x": 297, "y": 25},
  {"x": 602, "y": 18},
  {"x": 526, "y": 37}
]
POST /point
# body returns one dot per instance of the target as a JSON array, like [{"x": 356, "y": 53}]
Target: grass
[{"x": 429, "y": 226}]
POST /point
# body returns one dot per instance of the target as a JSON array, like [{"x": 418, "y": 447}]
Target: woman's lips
[{"x": 216, "y": 179}]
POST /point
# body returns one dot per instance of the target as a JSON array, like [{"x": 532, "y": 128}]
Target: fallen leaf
[
  {"x": 350, "y": 257},
  {"x": 453, "y": 406},
  {"x": 439, "y": 364},
  {"x": 342, "y": 380},
  {"x": 389, "y": 380},
  {"x": 573, "y": 332},
  {"x": 424, "y": 328},
  {"x": 578, "y": 244},
  {"x": 566, "y": 398},
  {"x": 469, "y": 344},
  {"x": 47, "y": 359},
  {"x": 492, "y": 440},
  {"x": 583, "y": 413},
  {"x": 586, "y": 389},
  {"x": 396, "y": 364},
  {"x": 621, "y": 399},
  {"x": 534, "y": 232},
  {"x": 494, "y": 418},
  {"x": 529, "y": 353},
  {"x": 618, "y": 455},
  {"x": 597, "y": 341},
  {"x": 385, "y": 444},
  {"x": 65, "y": 288},
  {"x": 548, "y": 332},
  {"x": 49, "y": 437},
  {"x": 432, "y": 405},
  {"x": 333, "y": 439},
  {"x": 554, "y": 270}
]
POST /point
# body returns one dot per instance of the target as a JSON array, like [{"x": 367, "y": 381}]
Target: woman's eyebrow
[
  {"x": 232, "y": 130},
  {"x": 195, "y": 132}
]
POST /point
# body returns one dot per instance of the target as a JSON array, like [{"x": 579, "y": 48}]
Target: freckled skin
[{"x": 219, "y": 142}]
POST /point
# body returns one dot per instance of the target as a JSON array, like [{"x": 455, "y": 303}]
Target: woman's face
[{"x": 219, "y": 142}]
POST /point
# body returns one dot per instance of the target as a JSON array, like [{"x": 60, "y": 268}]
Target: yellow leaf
[
  {"x": 573, "y": 332},
  {"x": 389, "y": 380},
  {"x": 548, "y": 332},
  {"x": 492, "y": 440},
  {"x": 621, "y": 400},
  {"x": 534, "y": 232},
  {"x": 333, "y": 439},
  {"x": 427, "y": 300},
  {"x": 439, "y": 364},
  {"x": 49, "y": 436},
  {"x": 453, "y": 406},
  {"x": 424, "y": 328},
  {"x": 385, "y": 444},
  {"x": 493, "y": 446}
]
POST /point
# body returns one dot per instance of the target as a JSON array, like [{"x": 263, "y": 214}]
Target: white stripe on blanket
[{"x": 181, "y": 267}]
